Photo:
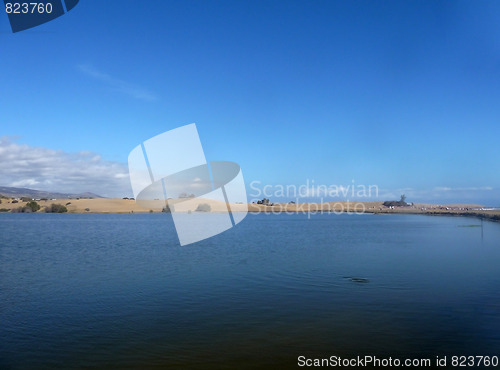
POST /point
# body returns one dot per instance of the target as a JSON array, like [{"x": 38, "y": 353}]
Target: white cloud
[
  {"x": 117, "y": 84},
  {"x": 473, "y": 188},
  {"x": 47, "y": 169}
]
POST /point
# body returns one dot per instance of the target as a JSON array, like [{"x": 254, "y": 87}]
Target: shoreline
[{"x": 128, "y": 206}]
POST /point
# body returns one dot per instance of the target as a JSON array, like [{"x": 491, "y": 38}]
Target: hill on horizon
[{"x": 32, "y": 193}]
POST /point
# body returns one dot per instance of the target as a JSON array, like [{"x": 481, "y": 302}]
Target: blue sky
[{"x": 401, "y": 94}]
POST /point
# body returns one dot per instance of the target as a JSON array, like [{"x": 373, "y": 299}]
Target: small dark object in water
[{"x": 357, "y": 279}]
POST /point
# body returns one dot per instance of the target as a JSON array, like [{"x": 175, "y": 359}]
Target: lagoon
[{"x": 90, "y": 290}]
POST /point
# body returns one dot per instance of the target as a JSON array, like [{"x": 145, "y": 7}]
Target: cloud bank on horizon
[{"x": 47, "y": 169}]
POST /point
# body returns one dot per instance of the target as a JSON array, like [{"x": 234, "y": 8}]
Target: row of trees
[
  {"x": 33, "y": 206},
  {"x": 30, "y": 207}
]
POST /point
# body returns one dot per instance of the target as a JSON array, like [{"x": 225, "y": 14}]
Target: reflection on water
[{"x": 118, "y": 291}]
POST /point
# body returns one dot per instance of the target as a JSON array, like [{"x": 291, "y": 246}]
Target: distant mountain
[{"x": 37, "y": 194}]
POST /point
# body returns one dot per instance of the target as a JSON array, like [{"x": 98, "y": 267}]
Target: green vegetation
[
  {"x": 4, "y": 210},
  {"x": 33, "y": 205},
  {"x": 396, "y": 203},
  {"x": 203, "y": 207},
  {"x": 56, "y": 208},
  {"x": 25, "y": 199}
]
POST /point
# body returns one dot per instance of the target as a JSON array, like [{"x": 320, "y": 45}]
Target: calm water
[{"x": 117, "y": 291}]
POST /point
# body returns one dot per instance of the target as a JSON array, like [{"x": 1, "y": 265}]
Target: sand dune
[{"x": 115, "y": 205}]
